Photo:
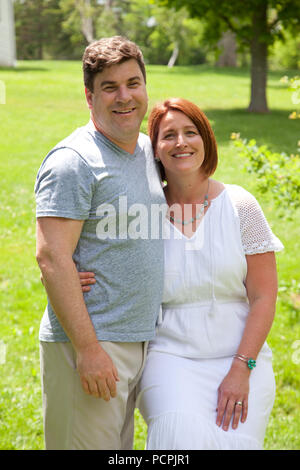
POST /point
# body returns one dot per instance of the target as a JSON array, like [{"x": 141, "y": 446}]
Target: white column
[{"x": 7, "y": 34}]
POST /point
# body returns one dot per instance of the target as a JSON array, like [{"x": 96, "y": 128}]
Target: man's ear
[{"x": 89, "y": 98}]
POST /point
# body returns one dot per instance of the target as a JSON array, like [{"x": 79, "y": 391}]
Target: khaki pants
[{"x": 75, "y": 420}]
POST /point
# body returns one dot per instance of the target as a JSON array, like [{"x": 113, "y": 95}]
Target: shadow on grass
[
  {"x": 197, "y": 69},
  {"x": 23, "y": 68},
  {"x": 273, "y": 129},
  {"x": 225, "y": 71}
]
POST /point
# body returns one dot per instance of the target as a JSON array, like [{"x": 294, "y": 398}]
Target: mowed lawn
[{"x": 44, "y": 103}]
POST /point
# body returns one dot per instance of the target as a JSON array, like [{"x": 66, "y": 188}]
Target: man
[{"x": 93, "y": 344}]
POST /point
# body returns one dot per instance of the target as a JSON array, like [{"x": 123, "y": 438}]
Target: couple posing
[{"x": 174, "y": 326}]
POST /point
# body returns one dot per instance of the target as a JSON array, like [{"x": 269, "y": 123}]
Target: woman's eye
[
  {"x": 169, "y": 136},
  {"x": 191, "y": 133}
]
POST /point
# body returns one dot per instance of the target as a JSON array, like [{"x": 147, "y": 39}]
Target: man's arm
[{"x": 57, "y": 239}]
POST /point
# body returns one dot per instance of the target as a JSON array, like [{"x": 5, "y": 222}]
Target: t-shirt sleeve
[
  {"x": 256, "y": 233},
  {"x": 64, "y": 186}
]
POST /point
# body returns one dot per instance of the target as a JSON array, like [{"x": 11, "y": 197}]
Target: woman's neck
[{"x": 187, "y": 190}]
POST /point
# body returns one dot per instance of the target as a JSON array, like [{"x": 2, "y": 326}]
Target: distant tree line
[
  {"x": 60, "y": 29},
  {"x": 181, "y": 32}
]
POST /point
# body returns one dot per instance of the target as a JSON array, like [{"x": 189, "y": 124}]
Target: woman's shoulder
[
  {"x": 256, "y": 233},
  {"x": 215, "y": 188},
  {"x": 234, "y": 190},
  {"x": 238, "y": 190},
  {"x": 240, "y": 196}
]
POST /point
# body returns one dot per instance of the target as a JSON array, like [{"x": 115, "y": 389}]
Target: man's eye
[{"x": 109, "y": 88}]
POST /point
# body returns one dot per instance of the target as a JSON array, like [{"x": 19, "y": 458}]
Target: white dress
[{"x": 200, "y": 327}]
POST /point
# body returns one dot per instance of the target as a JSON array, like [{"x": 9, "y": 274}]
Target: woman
[{"x": 200, "y": 388}]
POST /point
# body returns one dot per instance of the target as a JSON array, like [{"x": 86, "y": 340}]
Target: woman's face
[{"x": 179, "y": 145}]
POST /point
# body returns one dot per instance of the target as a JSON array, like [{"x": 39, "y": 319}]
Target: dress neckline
[{"x": 205, "y": 216}]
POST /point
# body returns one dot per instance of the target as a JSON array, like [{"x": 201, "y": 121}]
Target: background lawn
[{"x": 44, "y": 103}]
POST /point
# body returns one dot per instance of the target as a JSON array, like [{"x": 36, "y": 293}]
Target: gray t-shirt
[{"x": 87, "y": 177}]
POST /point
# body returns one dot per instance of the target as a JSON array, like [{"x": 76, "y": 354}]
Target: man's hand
[{"x": 97, "y": 372}]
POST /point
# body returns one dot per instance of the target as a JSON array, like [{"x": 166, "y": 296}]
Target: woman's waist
[{"x": 205, "y": 303}]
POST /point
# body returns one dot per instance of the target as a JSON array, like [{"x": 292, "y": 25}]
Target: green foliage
[
  {"x": 278, "y": 174},
  {"x": 237, "y": 16},
  {"x": 255, "y": 23},
  {"x": 169, "y": 29},
  {"x": 54, "y": 28},
  {"x": 284, "y": 54},
  {"x": 39, "y": 31},
  {"x": 293, "y": 86}
]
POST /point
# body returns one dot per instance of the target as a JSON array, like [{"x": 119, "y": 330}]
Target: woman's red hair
[{"x": 199, "y": 119}]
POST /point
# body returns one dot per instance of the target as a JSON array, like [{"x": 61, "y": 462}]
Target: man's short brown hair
[{"x": 107, "y": 52}]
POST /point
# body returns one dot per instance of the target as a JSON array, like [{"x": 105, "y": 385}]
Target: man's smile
[{"x": 124, "y": 111}]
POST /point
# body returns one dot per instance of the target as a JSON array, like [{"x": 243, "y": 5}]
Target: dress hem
[{"x": 172, "y": 430}]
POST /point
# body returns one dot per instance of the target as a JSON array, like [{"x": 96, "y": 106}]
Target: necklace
[{"x": 198, "y": 216}]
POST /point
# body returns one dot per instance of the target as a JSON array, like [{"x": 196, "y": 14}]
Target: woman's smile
[{"x": 183, "y": 155}]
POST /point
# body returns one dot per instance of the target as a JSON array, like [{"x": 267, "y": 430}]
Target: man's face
[{"x": 119, "y": 103}]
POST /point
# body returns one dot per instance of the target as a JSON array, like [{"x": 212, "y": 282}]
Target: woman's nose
[{"x": 180, "y": 140}]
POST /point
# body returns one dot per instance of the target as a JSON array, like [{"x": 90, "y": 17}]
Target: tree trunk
[
  {"x": 40, "y": 29},
  {"x": 259, "y": 61},
  {"x": 85, "y": 12},
  {"x": 227, "y": 44},
  {"x": 174, "y": 55}
]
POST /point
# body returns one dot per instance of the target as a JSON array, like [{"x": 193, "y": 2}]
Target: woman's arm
[{"x": 261, "y": 285}]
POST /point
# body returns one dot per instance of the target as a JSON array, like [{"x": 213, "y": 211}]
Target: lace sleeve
[{"x": 257, "y": 236}]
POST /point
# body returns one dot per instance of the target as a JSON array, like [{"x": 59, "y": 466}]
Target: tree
[
  {"x": 227, "y": 46},
  {"x": 29, "y": 23},
  {"x": 78, "y": 20},
  {"x": 164, "y": 35},
  {"x": 39, "y": 32},
  {"x": 256, "y": 24}
]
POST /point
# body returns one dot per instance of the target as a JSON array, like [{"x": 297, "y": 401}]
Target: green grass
[{"x": 44, "y": 103}]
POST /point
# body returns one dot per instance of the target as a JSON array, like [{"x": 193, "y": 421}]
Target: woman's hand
[
  {"x": 233, "y": 390},
  {"x": 86, "y": 280}
]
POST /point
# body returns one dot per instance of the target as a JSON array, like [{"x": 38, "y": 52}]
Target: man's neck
[{"x": 129, "y": 147}]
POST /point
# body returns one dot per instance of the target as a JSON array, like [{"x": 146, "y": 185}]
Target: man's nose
[{"x": 123, "y": 94}]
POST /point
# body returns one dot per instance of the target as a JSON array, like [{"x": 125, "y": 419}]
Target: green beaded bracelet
[{"x": 251, "y": 363}]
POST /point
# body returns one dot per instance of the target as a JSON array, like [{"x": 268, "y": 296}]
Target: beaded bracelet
[{"x": 251, "y": 363}]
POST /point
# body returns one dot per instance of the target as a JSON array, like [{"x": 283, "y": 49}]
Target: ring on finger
[{"x": 239, "y": 403}]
